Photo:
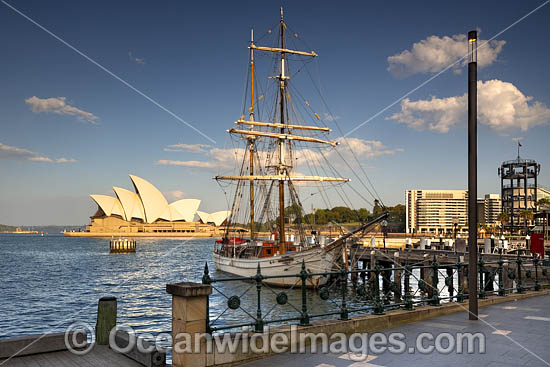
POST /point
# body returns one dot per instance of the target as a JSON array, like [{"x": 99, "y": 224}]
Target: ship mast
[
  {"x": 251, "y": 138},
  {"x": 282, "y": 145},
  {"x": 282, "y": 133}
]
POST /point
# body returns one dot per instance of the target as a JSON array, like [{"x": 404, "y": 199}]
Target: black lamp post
[
  {"x": 384, "y": 225},
  {"x": 472, "y": 175},
  {"x": 455, "y": 226}
]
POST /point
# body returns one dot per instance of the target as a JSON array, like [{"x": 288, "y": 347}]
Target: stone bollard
[
  {"x": 189, "y": 315},
  {"x": 106, "y": 319}
]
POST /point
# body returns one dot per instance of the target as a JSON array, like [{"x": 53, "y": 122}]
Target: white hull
[{"x": 316, "y": 261}]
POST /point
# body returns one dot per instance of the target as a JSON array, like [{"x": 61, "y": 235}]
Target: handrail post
[
  {"x": 406, "y": 284},
  {"x": 378, "y": 305},
  {"x": 207, "y": 281},
  {"x": 482, "y": 278},
  {"x": 304, "y": 317},
  {"x": 449, "y": 282},
  {"x": 259, "y": 326},
  {"x": 501, "y": 290},
  {"x": 536, "y": 261},
  {"x": 519, "y": 283},
  {"x": 435, "y": 281},
  {"x": 460, "y": 293},
  {"x": 344, "y": 285}
]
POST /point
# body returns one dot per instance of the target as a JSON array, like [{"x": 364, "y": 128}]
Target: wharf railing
[{"x": 372, "y": 290}]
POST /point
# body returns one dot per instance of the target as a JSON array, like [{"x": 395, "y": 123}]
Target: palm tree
[
  {"x": 503, "y": 218},
  {"x": 544, "y": 203},
  {"x": 527, "y": 216}
]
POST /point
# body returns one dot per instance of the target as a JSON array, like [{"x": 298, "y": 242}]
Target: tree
[
  {"x": 294, "y": 213},
  {"x": 363, "y": 215},
  {"x": 377, "y": 208},
  {"x": 503, "y": 218},
  {"x": 544, "y": 205},
  {"x": 396, "y": 220},
  {"x": 527, "y": 216},
  {"x": 345, "y": 215}
]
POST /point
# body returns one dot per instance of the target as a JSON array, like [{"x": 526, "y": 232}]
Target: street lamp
[
  {"x": 384, "y": 225},
  {"x": 527, "y": 239},
  {"x": 455, "y": 222},
  {"x": 492, "y": 243}
]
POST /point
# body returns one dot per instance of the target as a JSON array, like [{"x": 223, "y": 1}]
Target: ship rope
[
  {"x": 315, "y": 158},
  {"x": 318, "y": 86}
]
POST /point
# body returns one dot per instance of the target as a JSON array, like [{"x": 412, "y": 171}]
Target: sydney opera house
[{"x": 147, "y": 213}]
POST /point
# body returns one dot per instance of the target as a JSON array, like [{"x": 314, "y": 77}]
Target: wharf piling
[{"x": 122, "y": 246}]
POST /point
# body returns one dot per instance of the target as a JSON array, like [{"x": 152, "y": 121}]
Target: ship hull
[{"x": 316, "y": 261}]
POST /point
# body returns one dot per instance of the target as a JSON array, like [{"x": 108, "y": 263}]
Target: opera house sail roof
[
  {"x": 148, "y": 205},
  {"x": 217, "y": 218}
]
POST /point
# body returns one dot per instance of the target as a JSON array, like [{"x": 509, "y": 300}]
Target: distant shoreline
[
  {"x": 142, "y": 234},
  {"x": 20, "y": 232}
]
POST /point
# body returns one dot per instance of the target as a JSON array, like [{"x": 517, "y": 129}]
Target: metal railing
[{"x": 374, "y": 290}]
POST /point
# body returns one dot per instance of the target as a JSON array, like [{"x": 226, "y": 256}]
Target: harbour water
[{"x": 53, "y": 281}]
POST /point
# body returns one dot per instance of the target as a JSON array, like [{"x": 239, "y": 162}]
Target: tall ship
[{"x": 267, "y": 227}]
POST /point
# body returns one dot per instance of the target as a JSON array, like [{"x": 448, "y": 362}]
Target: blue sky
[{"x": 191, "y": 58}]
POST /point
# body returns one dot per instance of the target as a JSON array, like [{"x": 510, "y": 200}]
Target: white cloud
[
  {"x": 434, "y": 54},
  {"x": 21, "y": 154},
  {"x": 9, "y": 152},
  {"x": 59, "y": 106},
  {"x": 363, "y": 150},
  {"x": 501, "y": 106},
  {"x": 174, "y": 195},
  {"x": 193, "y": 148},
  {"x": 65, "y": 160},
  {"x": 137, "y": 60},
  {"x": 329, "y": 117},
  {"x": 367, "y": 148},
  {"x": 219, "y": 159},
  {"x": 227, "y": 159}
]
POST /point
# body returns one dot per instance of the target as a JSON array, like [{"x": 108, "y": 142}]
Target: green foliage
[
  {"x": 503, "y": 217},
  {"x": 396, "y": 221},
  {"x": 345, "y": 215},
  {"x": 339, "y": 214},
  {"x": 526, "y": 215}
]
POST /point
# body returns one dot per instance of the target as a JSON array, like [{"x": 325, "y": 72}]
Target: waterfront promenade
[
  {"x": 516, "y": 335},
  {"x": 514, "y": 330}
]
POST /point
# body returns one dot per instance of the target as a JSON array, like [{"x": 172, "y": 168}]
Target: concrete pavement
[{"x": 516, "y": 334}]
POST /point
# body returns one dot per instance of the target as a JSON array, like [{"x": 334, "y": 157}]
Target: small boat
[{"x": 266, "y": 197}]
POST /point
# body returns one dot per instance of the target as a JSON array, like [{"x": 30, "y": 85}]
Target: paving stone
[{"x": 523, "y": 346}]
